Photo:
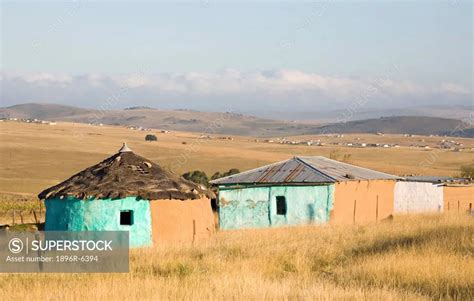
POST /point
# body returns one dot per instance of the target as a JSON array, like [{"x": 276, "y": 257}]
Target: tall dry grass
[
  {"x": 23, "y": 207},
  {"x": 411, "y": 257}
]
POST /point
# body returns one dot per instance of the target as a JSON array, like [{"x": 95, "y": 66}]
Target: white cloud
[
  {"x": 253, "y": 89},
  {"x": 41, "y": 79},
  {"x": 454, "y": 88}
]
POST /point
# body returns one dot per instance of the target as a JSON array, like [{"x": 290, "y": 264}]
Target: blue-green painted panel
[
  {"x": 244, "y": 208},
  {"x": 255, "y": 207},
  {"x": 305, "y": 204},
  {"x": 71, "y": 214}
]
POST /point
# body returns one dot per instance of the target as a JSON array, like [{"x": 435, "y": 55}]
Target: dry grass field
[
  {"x": 36, "y": 156},
  {"x": 409, "y": 258}
]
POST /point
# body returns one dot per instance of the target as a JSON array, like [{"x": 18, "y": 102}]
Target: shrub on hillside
[
  {"x": 197, "y": 176},
  {"x": 150, "y": 137},
  {"x": 230, "y": 172}
]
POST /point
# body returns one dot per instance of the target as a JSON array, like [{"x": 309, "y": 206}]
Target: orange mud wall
[
  {"x": 362, "y": 202},
  {"x": 458, "y": 198},
  {"x": 176, "y": 221}
]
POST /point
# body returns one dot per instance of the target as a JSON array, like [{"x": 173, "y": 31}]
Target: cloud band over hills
[{"x": 282, "y": 89}]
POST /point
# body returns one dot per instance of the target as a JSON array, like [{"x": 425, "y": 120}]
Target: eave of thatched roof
[{"x": 126, "y": 174}]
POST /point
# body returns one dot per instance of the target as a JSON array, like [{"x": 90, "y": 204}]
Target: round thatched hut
[{"x": 128, "y": 192}]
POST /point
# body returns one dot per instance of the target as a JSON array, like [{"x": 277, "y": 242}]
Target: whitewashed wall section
[{"x": 418, "y": 197}]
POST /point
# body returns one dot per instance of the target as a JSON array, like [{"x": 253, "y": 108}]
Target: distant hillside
[
  {"x": 235, "y": 124},
  {"x": 181, "y": 120},
  {"x": 139, "y": 108},
  {"x": 41, "y": 111},
  {"x": 420, "y": 125},
  {"x": 452, "y": 112},
  {"x": 469, "y": 132}
]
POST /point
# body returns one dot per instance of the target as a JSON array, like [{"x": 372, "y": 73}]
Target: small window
[
  {"x": 281, "y": 205},
  {"x": 126, "y": 217}
]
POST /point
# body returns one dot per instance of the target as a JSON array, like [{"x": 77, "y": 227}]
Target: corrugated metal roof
[
  {"x": 288, "y": 171},
  {"x": 341, "y": 171},
  {"x": 304, "y": 170}
]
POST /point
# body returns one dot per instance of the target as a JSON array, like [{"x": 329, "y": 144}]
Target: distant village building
[
  {"x": 304, "y": 190},
  {"x": 128, "y": 192}
]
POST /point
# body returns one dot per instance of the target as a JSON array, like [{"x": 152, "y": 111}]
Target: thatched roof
[{"x": 126, "y": 174}]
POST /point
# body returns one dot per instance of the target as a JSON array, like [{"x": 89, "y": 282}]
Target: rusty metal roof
[
  {"x": 304, "y": 170},
  {"x": 341, "y": 171}
]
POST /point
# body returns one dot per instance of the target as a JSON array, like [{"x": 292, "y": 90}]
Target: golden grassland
[
  {"x": 22, "y": 207},
  {"x": 36, "y": 156},
  {"x": 411, "y": 257}
]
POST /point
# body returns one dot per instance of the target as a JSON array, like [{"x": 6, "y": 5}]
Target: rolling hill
[
  {"x": 451, "y": 112},
  {"x": 42, "y": 111},
  {"x": 420, "y": 125},
  {"x": 179, "y": 120},
  {"x": 235, "y": 124}
]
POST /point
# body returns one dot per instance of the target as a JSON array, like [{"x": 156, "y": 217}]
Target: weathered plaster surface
[
  {"x": 305, "y": 204},
  {"x": 176, "y": 221},
  {"x": 71, "y": 214},
  {"x": 362, "y": 201},
  {"x": 244, "y": 208},
  {"x": 458, "y": 198},
  {"x": 255, "y": 207},
  {"x": 417, "y": 197}
]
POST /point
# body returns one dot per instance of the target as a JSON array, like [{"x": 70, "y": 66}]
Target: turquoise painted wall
[
  {"x": 244, "y": 208},
  {"x": 255, "y": 207},
  {"x": 305, "y": 204},
  {"x": 71, "y": 214}
]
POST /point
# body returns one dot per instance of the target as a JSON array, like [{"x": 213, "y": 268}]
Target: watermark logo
[
  {"x": 15, "y": 245},
  {"x": 64, "y": 252}
]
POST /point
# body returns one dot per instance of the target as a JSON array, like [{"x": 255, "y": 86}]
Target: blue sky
[{"x": 174, "y": 55}]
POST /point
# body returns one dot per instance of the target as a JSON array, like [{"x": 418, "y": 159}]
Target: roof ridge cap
[{"x": 314, "y": 168}]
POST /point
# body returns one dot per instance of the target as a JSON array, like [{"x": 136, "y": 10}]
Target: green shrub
[
  {"x": 230, "y": 172},
  {"x": 150, "y": 137},
  {"x": 197, "y": 176}
]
